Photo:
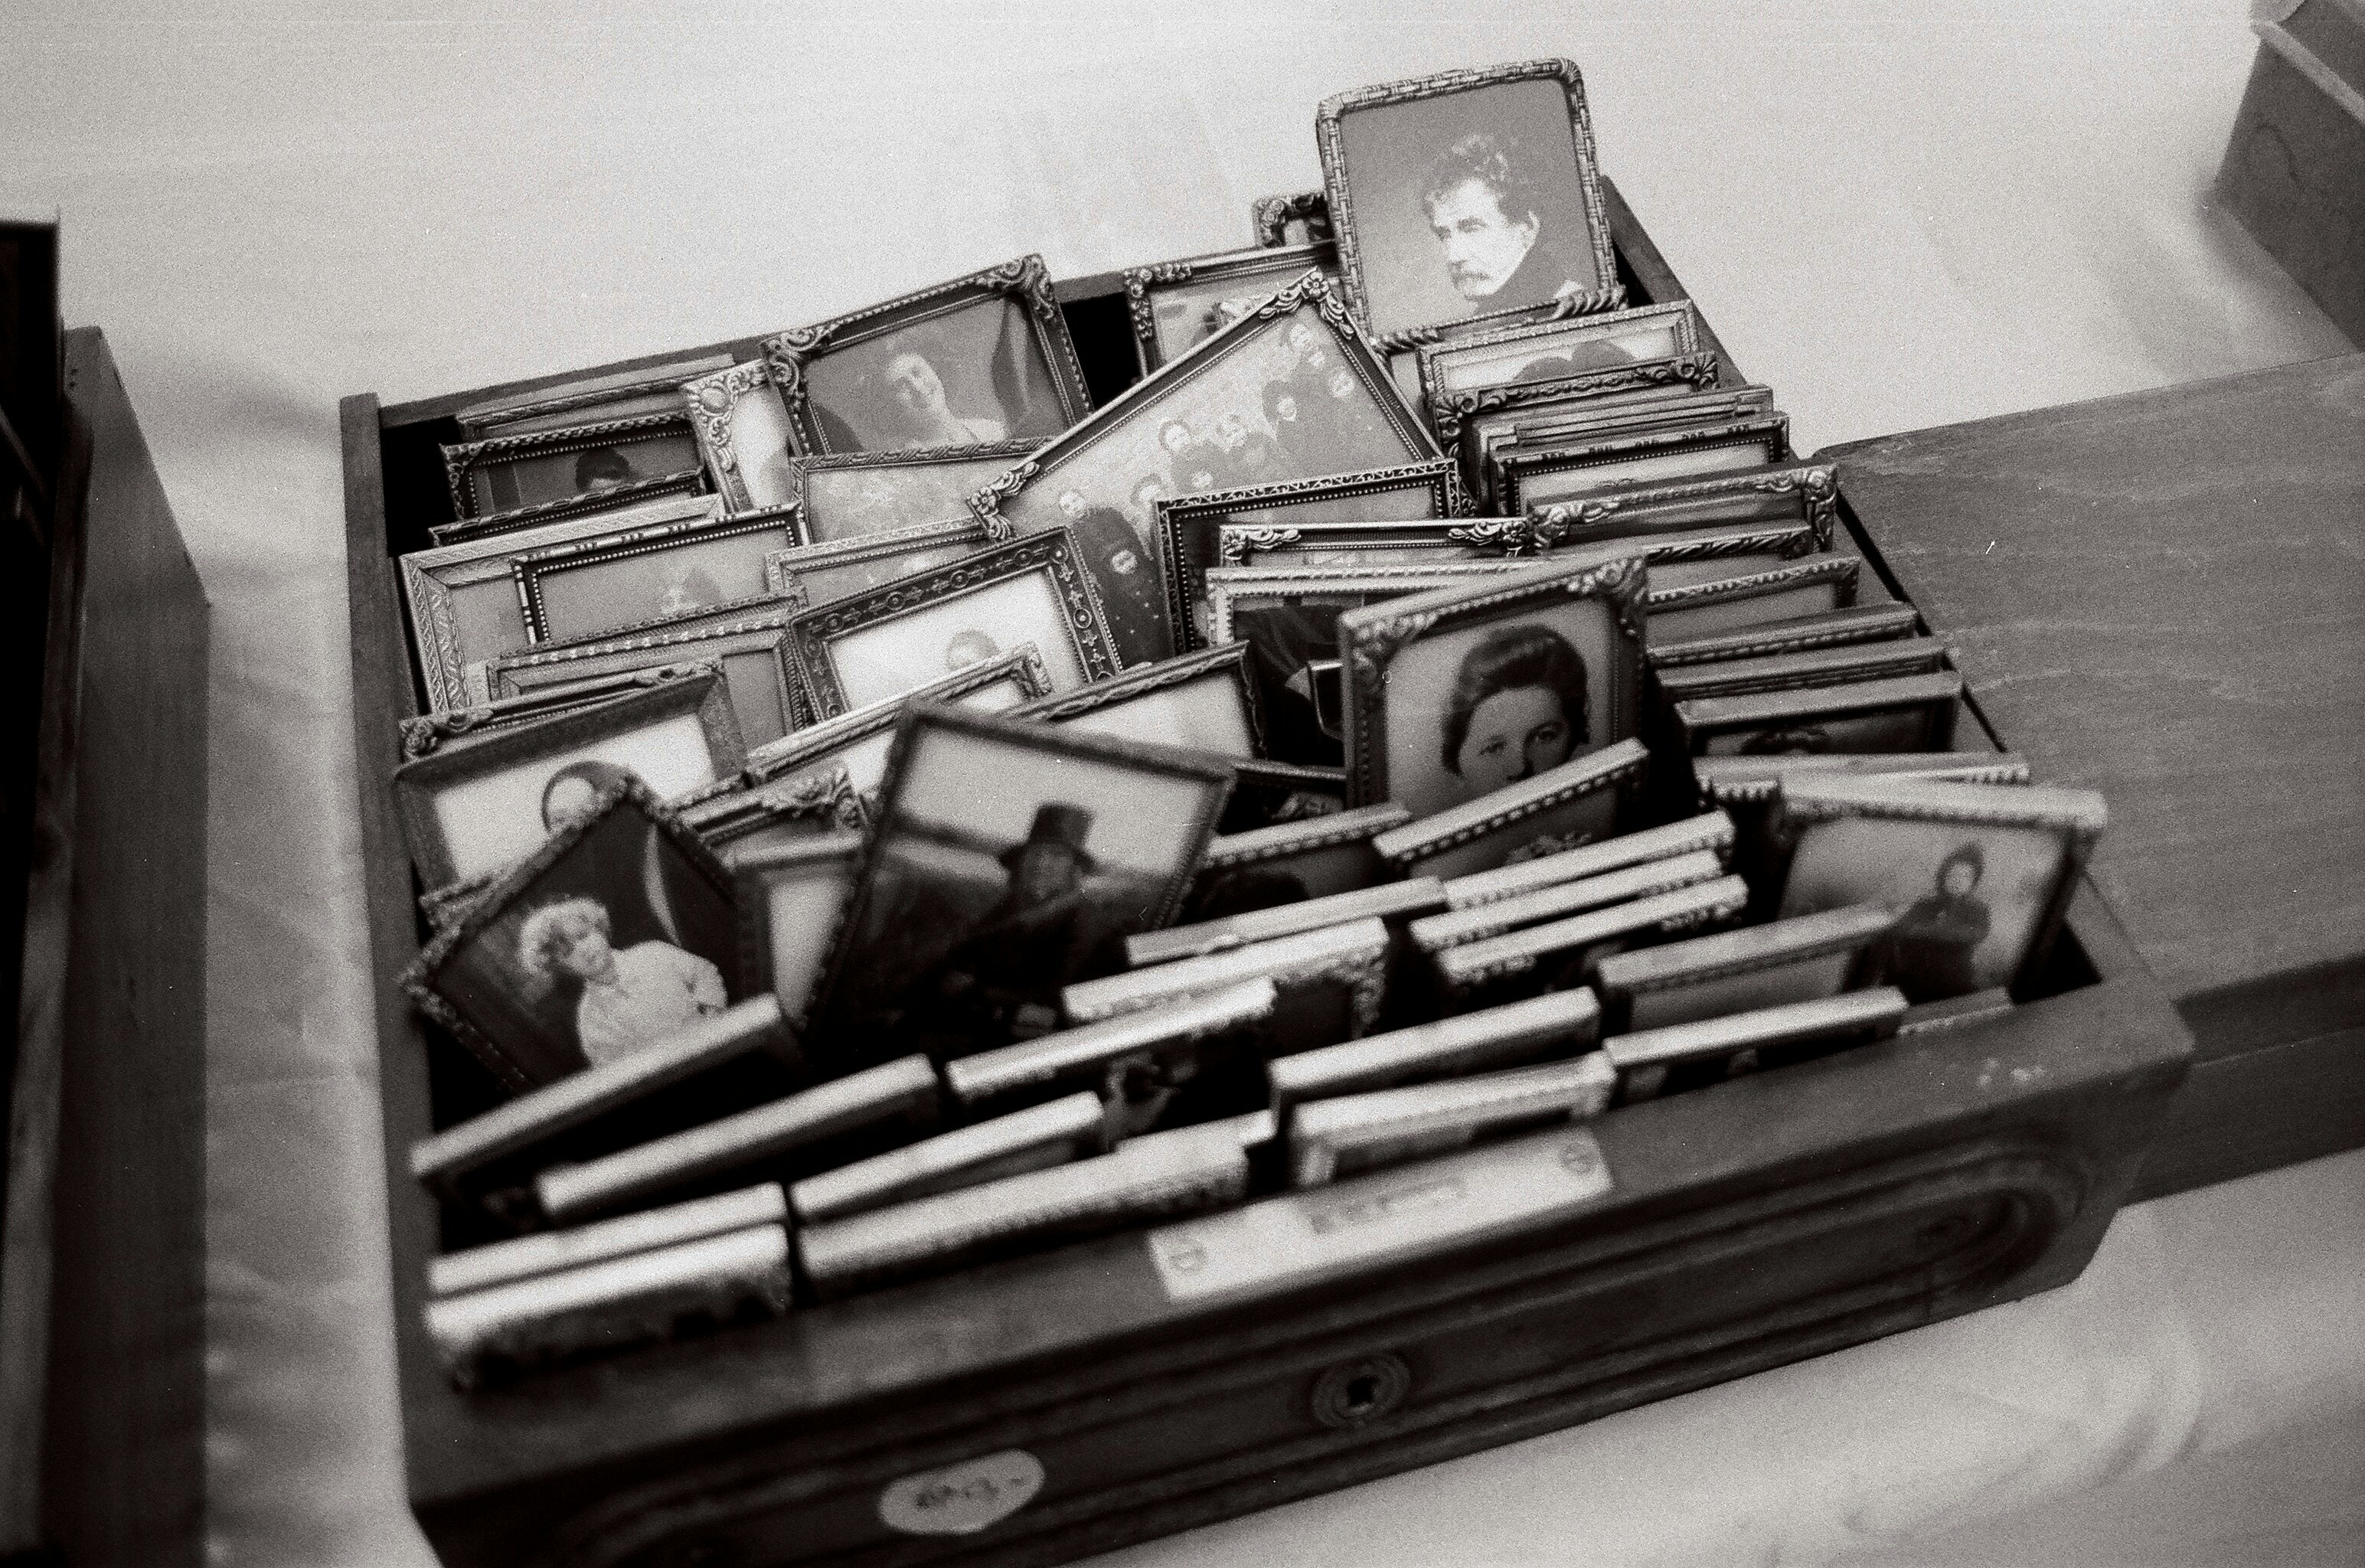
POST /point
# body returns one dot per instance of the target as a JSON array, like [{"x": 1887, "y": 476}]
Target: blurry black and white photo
[
  {"x": 1466, "y": 195},
  {"x": 1901, "y": 714},
  {"x": 744, "y": 434},
  {"x": 1462, "y": 691},
  {"x": 1288, "y": 392},
  {"x": 1178, "y": 304},
  {"x": 1204, "y": 702},
  {"x": 1555, "y": 350},
  {"x": 610, "y": 581},
  {"x": 504, "y": 473},
  {"x": 858, "y": 740},
  {"x": 1976, "y": 873},
  {"x": 474, "y": 808},
  {"x": 1010, "y": 861},
  {"x": 980, "y": 359},
  {"x": 886, "y": 642},
  {"x": 791, "y": 900},
  {"x": 841, "y": 495},
  {"x": 619, "y": 934}
]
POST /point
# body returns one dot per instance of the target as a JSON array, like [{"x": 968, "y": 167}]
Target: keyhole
[{"x": 1360, "y": 1393}]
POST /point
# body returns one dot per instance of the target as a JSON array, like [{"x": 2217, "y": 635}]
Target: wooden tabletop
[{"x": 2162, "y": 596}]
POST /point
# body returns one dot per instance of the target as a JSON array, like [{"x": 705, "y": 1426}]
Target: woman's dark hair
[
  {"x": 599, "y": 462},
  {"x": 601, "y": 776},
  {"x": 1506, "y": 661}
]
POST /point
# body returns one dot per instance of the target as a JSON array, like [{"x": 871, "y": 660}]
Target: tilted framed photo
[
  {"x": 843, "y": 495},
  {"x": 1299, "y": 218},
  {"x": 1460, "y": 690},
  {"x": 1912, "y": 713},
  {"x": 981, "y": 358},
  {"x": 1530, "y": 477},
  {"x": 1313, "y": 858},
  {"x": 1705, "y": 605},
  {"x": 586, "y": 588},
  {"x": 1010, "y": 859},
  {"x": 1799, "y": 491},
  {"x": 890, "y": 640},
  {"x": 1204, "y": 702},
  {"x": 752, "y": 651},
  {"x": 619, "y": 931},
  {"x": 1564, "y": 807},
  {"x": 743, "y": 434},
  {"x": 473, "y": 809},
  {"x": 1212, "y": 420},
  {"x": 588, "y": 399},
  {"x": 1977, "y": 875},
  {"x": 791, "y": 898},
  {"x": 1187, "y": 527},
  {"x": 1178, "y": 305},
  {"x": 810, "y": 576},
  {"x": 463, "y": 602},
  {"x": 424, "y": 733},
  {"x": 860, "y": 740},
  {"x": 568, "y": 464},
  {"x": 1467, "y": 197}
]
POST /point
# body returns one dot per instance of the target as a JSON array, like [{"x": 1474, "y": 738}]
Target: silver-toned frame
[
  {"x": 1621, "y": 765},
  {"x": 1370, "y": 639},
  {"x": 1517, "y": 468},
  {"x": 781, "y": 567},
  {"x": 425, "y": 733},
  {"x": 465, "y": 460},
  {"x": 1143, "y": 285},
  {"x": 1700, "y": 365},
  {"x": 1269, "y": 218},
  {"x": 1339, "y": 191},
  {"x": 788, "y": 355},
  {"x": 417, "y": 783},
  {"x": 1626, "y": 510},
  {"x": 722, "y": 816},
  {"x": 1940, "y": 696},
  {"x": 1228, "y": 660},
  {"x": 762, "y": 626},
  {"x": 1832, "y": 629},
  {"x": 803, "y": 467},
  {"x": 753, "y": 876},
  {"x": 1840, "y": 571},
  {"x": 661, "y": 380},
  {"x": 713, "y": 402},
  {"x": 1052, "y": 555},
  {"x": 817, "y": 742},
  {"x": 529, "y": 568}
]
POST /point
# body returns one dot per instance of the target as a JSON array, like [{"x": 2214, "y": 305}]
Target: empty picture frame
[
  {"x": 890, "y": 640},
  {"x": 1203, "y": 701},
  {"x": 1187, "y": 527},
  {"x": 981, "y": 358},
  {"x": 751, "y": 649},
  {"x": 470, "y": 809},
  {"x": 463, "y": 602},
  {"x": 811, "y": 575},
  {"x": 1455, "y": 692},
  {"x": 1530, "y": 478},
  {"x": 1193, "y": 426},
  {"x": 843, "y": 495},
  {"x": 605, "y": 583},
  {"x": 742, "y": 435},
  {"x": 791, "y": 899},
  {"x": 569, "y": 463},
  {"x": 858, "y": 740},
  {"x": 1178, "y": 305},
  {"x": 1468, "y": 196}
]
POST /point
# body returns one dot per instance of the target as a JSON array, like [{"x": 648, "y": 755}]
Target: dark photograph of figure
[
  {"x": 1930, "y": 947},
  {"x": 554, "y": 468},
  {"x": 968, "y": 375},
  {"x": 1468, "y": 204},
  {"x": 621, "y": 939},
  {"x": 1008, "y": 866}
]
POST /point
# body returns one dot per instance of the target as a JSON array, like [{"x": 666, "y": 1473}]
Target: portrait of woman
[
  {"x": 574, "y": 790},
  {"x": 1930, "y": 947},
  {"x": 629, "y": 999},
  {"x": 1516, "y": 707}
]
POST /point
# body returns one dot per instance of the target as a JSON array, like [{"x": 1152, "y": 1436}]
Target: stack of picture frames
[{"x": 878, "y": 812}]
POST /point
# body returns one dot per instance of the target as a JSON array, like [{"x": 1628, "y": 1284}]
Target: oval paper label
[{"x": 961, "y": 1499}]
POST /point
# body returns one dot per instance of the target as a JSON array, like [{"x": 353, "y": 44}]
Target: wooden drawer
[{"x": 1104, "y": 1394}]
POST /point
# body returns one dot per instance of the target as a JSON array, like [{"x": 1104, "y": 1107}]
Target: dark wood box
[
  {"x": 1762, "y": 1221},
  {"x": 2295, "y": 169},
  {"x": 2160, "y": 596},
  {"x": 102, "y": 1285}
]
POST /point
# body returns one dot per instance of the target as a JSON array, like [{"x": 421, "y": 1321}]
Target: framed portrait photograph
[
  {"x": 1314, "y": 857},
  {"x": 810, "y": 576},
  {"x": 845, "y": 495},
  {"x": 1187, "y": 527},
  {"x": 1299, "y": 218},
  {"x": 752, "y": 651},
  {"x": 474, "y": 809},
  {"x": 890, "y": 640},
  {"x": 424, "y": 733},
  {"x": 1912, "y": 713},
  {"x": 619, "y": 931},
  {"x": 791, "y": 898},
  {"x": 1202, "y": 701},
  {"x": 860, "y": 740},
  {"x": 462, "y": 602},
  {"x": 1469, "y": 196},
  {"x": 1800, "y": 492},
  {"x": 981, "y": 358},
  {"x": 1178, "y": 305},
  {"x": 508, "y": 473},
  {"x": 1833, "y": 629},
  {"x": 651, "y": 388},
  {"x": 1530, "y": 477},
  {"x": 1976, "y": 875},
  {"x": 585, "y": 587},
  {"x": 743, "y": 434},
  {"x": 1814, "y": 586},
  {"x": 1577, "y": 802},
  {"x": 1010, "y": 860},
  {"x": 1289, "y": 391},
  {"x": 1595, "y": 346},
  {"x": 1453, "y": 693}
]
